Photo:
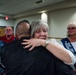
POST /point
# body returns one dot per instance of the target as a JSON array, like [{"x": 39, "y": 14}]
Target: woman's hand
[{"x": 33, "y": 43}]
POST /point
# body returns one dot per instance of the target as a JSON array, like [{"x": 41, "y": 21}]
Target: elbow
[{"x": 70, "y": 61}]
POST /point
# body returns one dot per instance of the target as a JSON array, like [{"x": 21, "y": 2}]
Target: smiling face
[
  {"x": 71, "y": 29},
  {"x": 41, "y": 33},
  {"x": 39, "y": 29}
]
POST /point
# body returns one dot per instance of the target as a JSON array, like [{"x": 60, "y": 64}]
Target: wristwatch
[{"x": 47, "y": 42}]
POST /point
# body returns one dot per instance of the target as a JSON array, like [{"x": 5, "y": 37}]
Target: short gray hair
[{"x": 36, "y": 24}]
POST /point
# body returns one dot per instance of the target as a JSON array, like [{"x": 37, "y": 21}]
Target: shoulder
[
  {"x": 64, "y": 39},
  {"x": 13, "y": 43},
  {"x": 53, "y": 40},
  {"x": 2, "y": 37},
  {"x": 10, "y": 46}
]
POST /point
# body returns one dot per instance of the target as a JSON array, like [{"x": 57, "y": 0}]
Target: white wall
[
  {"x": 58, "y": 21},
  {"x": 4, "y": 22},
  {"x": 29, "y": 18}
]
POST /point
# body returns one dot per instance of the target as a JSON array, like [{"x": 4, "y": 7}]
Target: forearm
[
  {"x": 59, "y": 52},
  {"x": 55, "y": 48}
]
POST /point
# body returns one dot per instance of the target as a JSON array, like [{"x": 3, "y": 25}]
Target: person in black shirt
[{"x": 20, "y": 61}]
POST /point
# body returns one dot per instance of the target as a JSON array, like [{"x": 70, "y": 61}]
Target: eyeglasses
[
  {"x": 71, "y": 28},
  {"x": 8, "y": 30}
]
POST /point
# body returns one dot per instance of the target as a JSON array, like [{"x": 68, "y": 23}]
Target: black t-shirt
[{"x": 39, "y": 61}]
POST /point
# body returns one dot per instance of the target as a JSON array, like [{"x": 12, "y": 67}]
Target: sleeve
[
  {"x": 2, "y": 50},
  {"x": 73, "y": 58}
]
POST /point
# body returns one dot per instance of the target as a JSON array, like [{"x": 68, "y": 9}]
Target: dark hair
[
  {"x": 23, "y": 21},
  {"x": 26, "y": 21}
]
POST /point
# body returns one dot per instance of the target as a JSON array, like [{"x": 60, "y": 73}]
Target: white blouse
[{"x": 73, "y": 58}]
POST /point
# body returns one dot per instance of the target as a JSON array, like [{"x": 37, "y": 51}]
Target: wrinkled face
[
  {"x": 41, "y": 33},
  {"x": 8, "y": 30},
  {"x": 71, "y": 29}
]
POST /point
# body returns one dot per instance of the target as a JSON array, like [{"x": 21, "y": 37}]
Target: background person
[
  {"x": 70, "y": 41},
  {"x": 9, "y": 35}
]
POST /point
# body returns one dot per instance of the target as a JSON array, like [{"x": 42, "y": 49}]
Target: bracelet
[{"x": 46, "y": 43}]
